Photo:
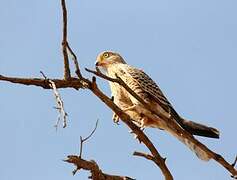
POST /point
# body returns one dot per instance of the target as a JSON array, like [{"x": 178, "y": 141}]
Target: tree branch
[
  {"x": 44, "y": 83},
  {"x": 67, "y": 74},
  {"x": 76, "y": 64},
  {"x": 147, "y": 156},
  {"x": 92, "y": 166},
  {"x": 171, "y": 124},
  {"x": 91, "y": 85}
]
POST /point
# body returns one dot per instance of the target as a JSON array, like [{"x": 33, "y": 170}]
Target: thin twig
[
  {"x": 235, "y": 161},
  {"x": 41, "y": 72},
  {"x": 88, "y": 137},
  {"x": 74, "y": 58},
  {"x": 147, "y": 156}
]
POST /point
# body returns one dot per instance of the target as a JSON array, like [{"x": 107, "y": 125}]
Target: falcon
[{"x": 139, "y": 82}]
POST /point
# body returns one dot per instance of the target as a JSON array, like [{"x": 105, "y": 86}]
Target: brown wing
[{"x": 150, "y": 87}]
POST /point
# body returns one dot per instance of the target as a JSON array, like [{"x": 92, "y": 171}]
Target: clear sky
[{"x": 188, "y": 47}]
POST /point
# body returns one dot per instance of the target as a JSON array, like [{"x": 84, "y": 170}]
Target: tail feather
[
  {"x": 201, "y": 154},
  {"x": 199, "y": 129}
]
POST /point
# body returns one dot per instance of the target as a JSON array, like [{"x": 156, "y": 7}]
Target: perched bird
[{"x": 138, "y": 81}]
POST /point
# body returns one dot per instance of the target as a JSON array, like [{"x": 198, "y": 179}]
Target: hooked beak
[
  {"x": 97, "y": 64},
  {"x": 100, "y": 64}
]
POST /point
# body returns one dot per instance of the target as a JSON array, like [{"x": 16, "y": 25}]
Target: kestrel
[{"x": 138, "y": 81}]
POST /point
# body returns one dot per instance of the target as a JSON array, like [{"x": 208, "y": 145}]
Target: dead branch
[
  {"x": 60, "y": 106},
  {"x": 235, "y": 161},
  {"x": 92, "y": 166},
  {"x": 82, "y": 140},
  {"x": 74, "y": 58},
  {"x": 44, "y": 83},
  {"x": 67, "y": 74},
  {"x": 147, "y": 156},
  {"x": 76, "y": 83}
]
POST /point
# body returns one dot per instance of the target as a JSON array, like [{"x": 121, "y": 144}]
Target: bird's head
[{"x": 108, "y": 58}]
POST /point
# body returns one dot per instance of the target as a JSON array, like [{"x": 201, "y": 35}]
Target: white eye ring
[{"x": 106, "y": 55}]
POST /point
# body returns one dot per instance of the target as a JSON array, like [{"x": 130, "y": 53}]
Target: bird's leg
[
  {"x": 136, "y": 136},
  {"x": 143, "y": 122},
  {"x": 115, "y": 116}
]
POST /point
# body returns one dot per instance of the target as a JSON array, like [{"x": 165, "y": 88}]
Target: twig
[
  {"x": 60, "y": 106},
  {"x": 74, "y": 58},
  {"x": 100, "y": 74},
  {"x": 235, "y": 161},
  {"x": 67, "y": 74},
  {"x": 92, "y": 166},
  {"x": 147, "y": 156},
  {"x": 41, "y": 72},
  {"x": 88, "y": 137}
]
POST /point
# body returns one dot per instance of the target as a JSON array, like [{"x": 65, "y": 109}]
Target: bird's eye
[{"x": 106, "y": 55}]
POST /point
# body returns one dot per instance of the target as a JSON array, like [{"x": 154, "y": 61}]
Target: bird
[{"x": 138, "y": 81}]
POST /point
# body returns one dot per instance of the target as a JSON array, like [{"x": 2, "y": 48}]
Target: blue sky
[{"x": 188, "y": 47}]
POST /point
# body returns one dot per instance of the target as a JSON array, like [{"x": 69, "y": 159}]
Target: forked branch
[{"x": 82, "y": 140}]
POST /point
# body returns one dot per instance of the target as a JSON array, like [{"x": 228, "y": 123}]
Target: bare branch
[
  {"x": 60, "y": 107},
  {"x": 67, "y": 74},
  {"x": 44, "y": 83},
  {"x": 88, "y": 137},
  {"x": 100, "y": 74},
  {"x": 235, "y": 161},
  {"x": 41, "y": 72},
  {"x": 96, "y": 173},
  {"x": 74, "y": 58},
  {"x": 147, "y": 156},
  {"x": 76, "y": 83}
]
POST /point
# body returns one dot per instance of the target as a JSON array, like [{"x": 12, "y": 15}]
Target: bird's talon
[{"x": 115, "y": 119}]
